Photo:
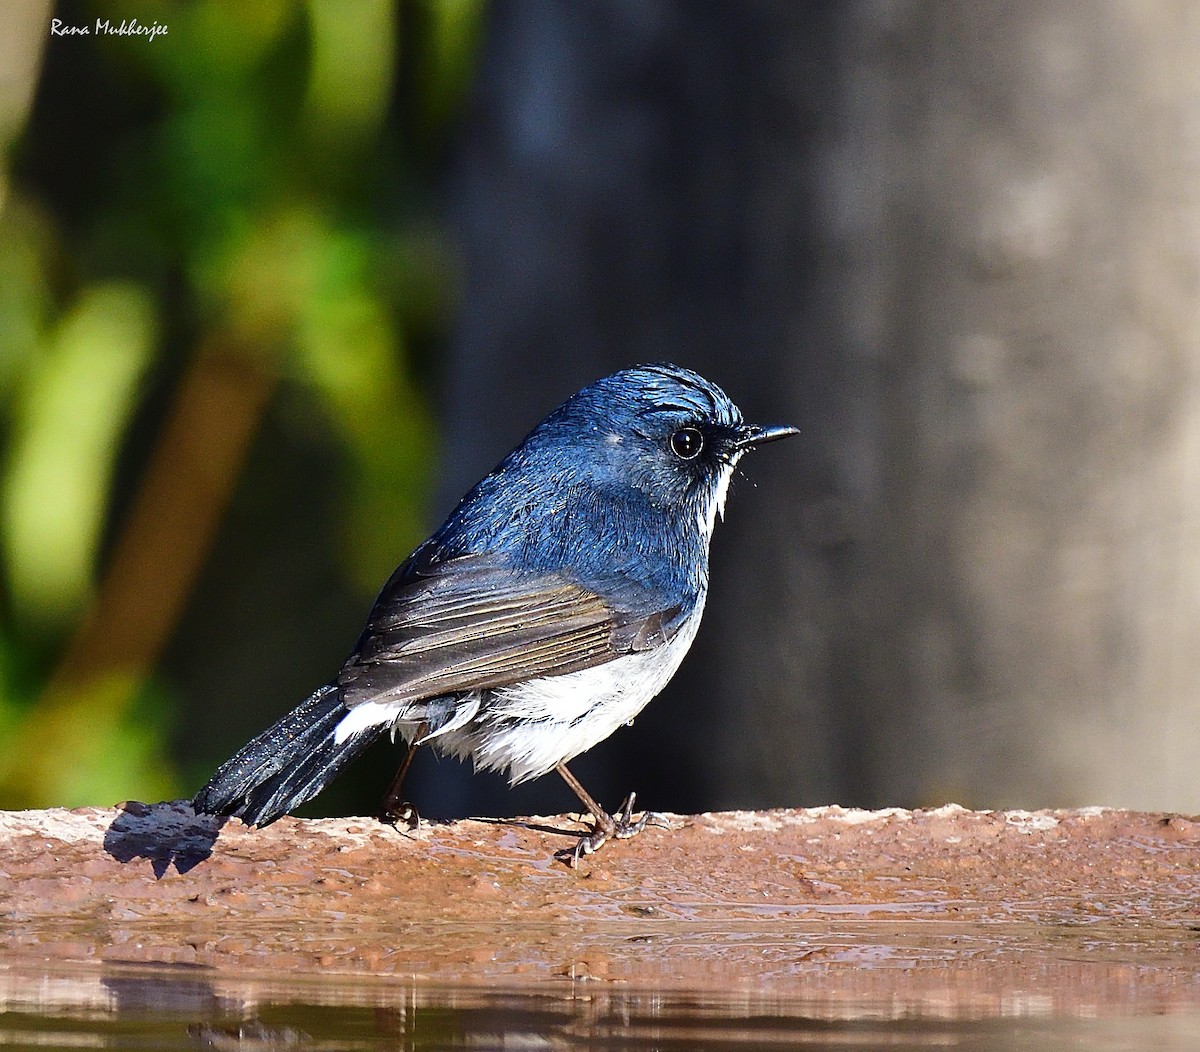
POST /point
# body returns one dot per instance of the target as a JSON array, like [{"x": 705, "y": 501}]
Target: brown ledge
[{"x": 1091, "y": 909}]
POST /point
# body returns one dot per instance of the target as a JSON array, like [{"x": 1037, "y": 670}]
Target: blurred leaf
[
  {"x": 453, "y": 28},
  {"x": 25, "y": 302},
  {"x": 350, "y": 73},
  {"x": 17, "y": 684},
  {"x": 106, "y": 749},
  {"x": 214, "y": 148},
  {"x": 296, "y": 283},
  {"x": 71, "y": 413},
  {"x": 24, "y": 33},
  {"x": 209, "y": 43},
  {"x": 350, "y": 353}
]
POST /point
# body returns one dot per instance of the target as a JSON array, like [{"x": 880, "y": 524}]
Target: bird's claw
[
  {"x": 622, "y": 826},
  {"x": 401, "y": 811}
]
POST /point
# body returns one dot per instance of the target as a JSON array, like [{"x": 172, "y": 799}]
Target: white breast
[{"x": 528, "y": 728}]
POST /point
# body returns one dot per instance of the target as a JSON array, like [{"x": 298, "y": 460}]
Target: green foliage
[
  {"x": 75, "y": 399},
  {"x": 250, "y": 185}
]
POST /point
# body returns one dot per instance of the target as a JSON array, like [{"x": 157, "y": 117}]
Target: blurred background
[{"x": 277, "y": 285}]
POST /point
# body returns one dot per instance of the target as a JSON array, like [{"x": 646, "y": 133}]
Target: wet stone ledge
[{"x": 1086, "y": 907}]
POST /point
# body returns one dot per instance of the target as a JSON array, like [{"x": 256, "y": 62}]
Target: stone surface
[{"x": 1080, "y": 910}]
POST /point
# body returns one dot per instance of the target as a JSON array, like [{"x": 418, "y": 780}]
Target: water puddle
[
  {"x": 140, "y": 1007},
  {"x": 896, "y": 986}
]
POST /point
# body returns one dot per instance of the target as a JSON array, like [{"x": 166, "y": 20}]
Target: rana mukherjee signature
[{"x": 127, "y": 27}]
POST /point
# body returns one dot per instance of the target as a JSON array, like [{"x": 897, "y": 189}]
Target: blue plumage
[
  {"x": 594, "y": 489},
  {"x": 556, "y": 600}
]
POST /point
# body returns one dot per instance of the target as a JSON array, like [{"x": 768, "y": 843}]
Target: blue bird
[{"x": 553, "y": 604}]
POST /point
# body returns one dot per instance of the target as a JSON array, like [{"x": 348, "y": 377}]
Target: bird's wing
[{"x": 469, "y": 623}]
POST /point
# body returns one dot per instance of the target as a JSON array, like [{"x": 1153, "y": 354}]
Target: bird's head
[{"x": 666, "y": 432}]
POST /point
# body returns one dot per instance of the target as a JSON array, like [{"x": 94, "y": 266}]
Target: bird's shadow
[
  {"x": 172, "y": 834},
  {"x": 165, "y": 834},
  {"x": 537, "y": 827}
]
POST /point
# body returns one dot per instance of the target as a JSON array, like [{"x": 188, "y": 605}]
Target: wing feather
[{"x": 469, "y": 624}]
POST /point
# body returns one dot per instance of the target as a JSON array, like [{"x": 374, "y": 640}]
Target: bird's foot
[
  {"x": 395, "y": 812},
  {"x": 622, "y": 826}
]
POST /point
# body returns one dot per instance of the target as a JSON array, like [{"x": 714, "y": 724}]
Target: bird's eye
[{"x": 686, "y": 443}]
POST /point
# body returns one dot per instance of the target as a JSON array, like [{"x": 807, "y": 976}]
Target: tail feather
[{"x": 286, "y": 765}]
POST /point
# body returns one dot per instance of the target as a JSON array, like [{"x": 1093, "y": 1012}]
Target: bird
[{"x": 558, "y": 599}]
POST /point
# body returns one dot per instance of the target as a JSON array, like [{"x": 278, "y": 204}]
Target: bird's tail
[{"x": 287, "y": 764}]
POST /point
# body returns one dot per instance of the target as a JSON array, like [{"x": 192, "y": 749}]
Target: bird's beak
[{"x": 751, "y": 435}]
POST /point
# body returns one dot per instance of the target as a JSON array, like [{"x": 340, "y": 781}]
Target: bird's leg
[
  {"x": 394, "y": 808},
  {"x": 607, "y": 827}
]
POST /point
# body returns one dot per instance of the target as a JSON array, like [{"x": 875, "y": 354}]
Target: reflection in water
[{"x": 80, "y": 1006}]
